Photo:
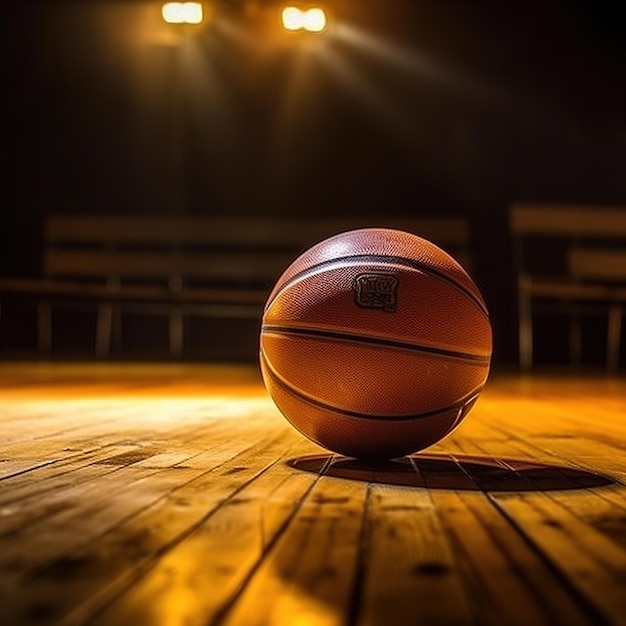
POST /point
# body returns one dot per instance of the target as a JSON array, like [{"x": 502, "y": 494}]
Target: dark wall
[{"x": 431, "y": 106}]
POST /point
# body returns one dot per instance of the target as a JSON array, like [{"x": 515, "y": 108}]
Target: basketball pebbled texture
[{"x": 375, "y": 343}]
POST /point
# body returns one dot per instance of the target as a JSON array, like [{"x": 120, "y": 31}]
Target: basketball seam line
[
  {"x": 377, "y": 341},
  {"x": 459, "y": 404},
  {"x": 383, "y": 259}
]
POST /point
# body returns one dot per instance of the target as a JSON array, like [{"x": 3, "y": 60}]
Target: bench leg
[
  {"x": 613, "y": 338},
  {"x": 575, "y": 341},
  {"x": 44, "y": 328},
  {"x": 116, "y": 330},
  {"x": 176, "y": 333},
  {"x": 525, "y": 331},
  {"x": 103, "y": 329}
]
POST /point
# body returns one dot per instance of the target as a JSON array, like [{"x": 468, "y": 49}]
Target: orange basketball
[{"x": 375, "y": 343}]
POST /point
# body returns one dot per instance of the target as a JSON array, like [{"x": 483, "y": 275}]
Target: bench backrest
[
  {"x": 246, "y": 251},
  {"x": 581, "y": 242},
  {"x": 608, "y": 265}
]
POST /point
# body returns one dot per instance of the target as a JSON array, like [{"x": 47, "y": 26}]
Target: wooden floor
[{"x": 178, "y": 495}]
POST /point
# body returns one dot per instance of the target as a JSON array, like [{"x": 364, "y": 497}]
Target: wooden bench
[
  {"x": 572, "y": 258},
  {"x": 180, "y": 266}
]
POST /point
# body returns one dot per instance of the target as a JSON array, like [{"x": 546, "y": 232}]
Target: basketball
[{"x": 375, "y": 343}]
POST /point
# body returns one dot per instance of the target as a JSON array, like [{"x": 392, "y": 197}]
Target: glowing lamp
[
  {"x": 182, "y": 12},
  {"x": 312, "y": 20}
]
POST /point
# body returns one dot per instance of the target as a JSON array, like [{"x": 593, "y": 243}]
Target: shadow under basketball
[{"x": 458, "y": 472}]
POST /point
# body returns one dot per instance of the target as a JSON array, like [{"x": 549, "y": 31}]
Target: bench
[
  {"x": 571, "y": 259},
  {"x": 180, "y": 266}
]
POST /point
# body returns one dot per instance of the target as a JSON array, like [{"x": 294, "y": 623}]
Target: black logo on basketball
[{"x": 376, "y": 291}]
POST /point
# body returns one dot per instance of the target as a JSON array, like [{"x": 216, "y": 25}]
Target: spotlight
[
  {"x": 182, "y": 12},
  {"x": 312, "y": 19}
]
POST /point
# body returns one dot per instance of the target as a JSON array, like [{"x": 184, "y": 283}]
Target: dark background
[{"x": 457, "y": 107}]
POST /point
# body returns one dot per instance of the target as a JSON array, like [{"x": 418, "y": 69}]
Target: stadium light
[
  {"x": 312, "y": 19},
  {"x": 182, "y": 12}
]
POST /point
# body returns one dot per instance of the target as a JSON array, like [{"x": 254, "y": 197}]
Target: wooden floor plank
[
  {"x": 410, "y": 569},
  {"x": 310, "y": 572},
  {"x": 500, "y": 590},
  {"x": 563, "y": 525},
  {"x": 591, "y": 562}
]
